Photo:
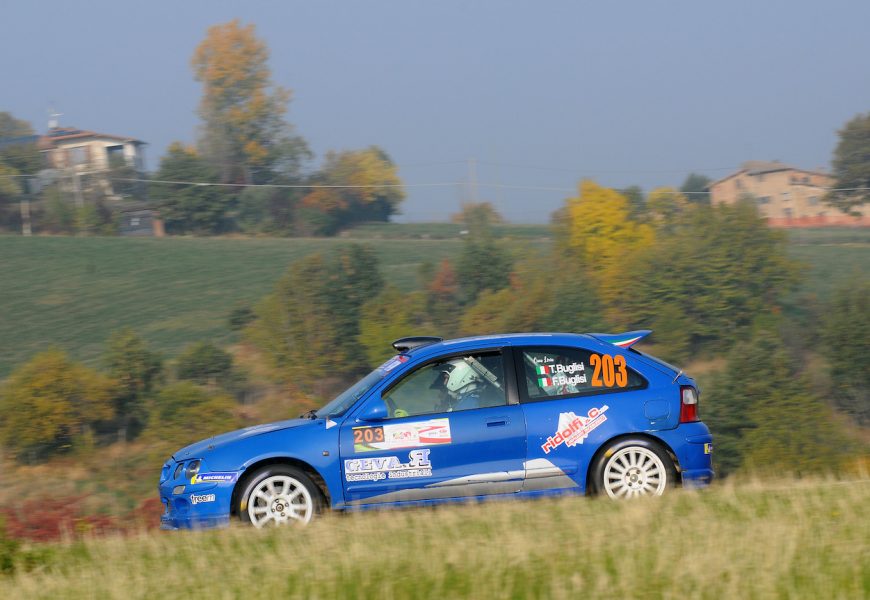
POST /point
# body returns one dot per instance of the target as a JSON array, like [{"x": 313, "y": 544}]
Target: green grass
[
  {"x": 73, "y": 292},
  {"x": 443, "y": 231},
  {"x": 831, "y": 257},
  {"x": 787, "y": 539}
]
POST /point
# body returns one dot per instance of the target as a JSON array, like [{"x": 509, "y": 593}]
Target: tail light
[{"x": 688, "y": 404}]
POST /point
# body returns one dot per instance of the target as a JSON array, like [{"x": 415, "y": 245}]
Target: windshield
[{"x": 348, "y": 397}]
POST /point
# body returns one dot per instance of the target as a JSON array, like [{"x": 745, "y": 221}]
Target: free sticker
[{"x": 200, "y": 498}]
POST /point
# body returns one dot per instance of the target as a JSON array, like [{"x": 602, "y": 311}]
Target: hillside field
[
  {"x": 74, "y": 291},
  {"x": 781, "y": 539}
]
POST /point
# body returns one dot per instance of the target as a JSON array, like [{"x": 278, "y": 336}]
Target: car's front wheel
[
  {"x": 632, "y": 468},
  {"x": 278, "y": 495}
]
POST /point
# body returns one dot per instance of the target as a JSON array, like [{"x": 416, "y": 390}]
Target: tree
[
  {"x": 483, "y": 264},
  {"x": 664, "y": 207},
  {"x": 712, "y": 275},
  {"x": 386, "y": 318},
  {"x": 244, "y": 133},
  {"x": 852, "y": 164},
  {"x": 764, "y": 416},
  {"x": 599, "y": 234},
  {"x": 205, "y": 364},
  {"x": 199, "y": 209},
  {"x": 480, "y": 212},
  {"x": 18, "y": 156},
  {"x": 308, "y": 327},
  {"x": 548, "y": 293},
  {"x": 376, "y": 197},
  {"x": 636, "y": 202},
  {"x": 847, "y": 342},
  {"x": 51, "y": 404},
  {"x": 695, "y": 188},
  {"x": 184, "y": 412},
  {"x": 442, "y": 301},
  {"x": 19, "y": 152},
  {"x": 136, "y": 370}
]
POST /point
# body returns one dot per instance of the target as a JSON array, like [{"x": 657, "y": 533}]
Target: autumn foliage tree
[
  {"x": 244, "y": 134},
  {"x": 354, "y": 186},
  {"x": 599, "y": 233},
  {"x": 51, "y": 404}
]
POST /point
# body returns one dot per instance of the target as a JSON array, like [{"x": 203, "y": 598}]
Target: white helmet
[{"x": 462, "y": 378}]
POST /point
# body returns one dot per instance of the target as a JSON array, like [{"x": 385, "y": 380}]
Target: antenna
[{"x": 53, "y": 118}]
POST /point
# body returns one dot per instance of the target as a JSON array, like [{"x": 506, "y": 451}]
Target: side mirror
[{"x": 375, "y": 410}]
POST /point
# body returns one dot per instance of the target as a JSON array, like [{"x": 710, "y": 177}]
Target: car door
[
  {"x": 452, "y": 427},
  {"x": 573, "y": 400}
]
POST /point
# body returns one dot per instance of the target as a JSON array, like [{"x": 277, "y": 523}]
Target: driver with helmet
[{"x": 460, "y": 386}]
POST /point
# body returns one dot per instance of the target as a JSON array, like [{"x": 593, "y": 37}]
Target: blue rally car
[{"x": 520, "y": 415}]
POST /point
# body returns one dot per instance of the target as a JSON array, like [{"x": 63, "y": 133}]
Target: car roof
[{"x": 503, "y": 339}]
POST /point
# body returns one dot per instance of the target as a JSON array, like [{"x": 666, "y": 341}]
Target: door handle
[{"x": 497, "y": 422}]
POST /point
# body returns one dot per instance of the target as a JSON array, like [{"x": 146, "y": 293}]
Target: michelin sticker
[
  {"x": 573, "y": 429},
  {"x": 388, "y": 467},
  {"x": 402, "y": 435},
  {"x": 200, "y": 498},
  {"x": 214, "y": 478}
]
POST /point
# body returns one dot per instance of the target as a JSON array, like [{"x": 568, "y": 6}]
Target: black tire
[
  {"x": 289, "y": 479},
  {"x": 628, "y": 480}
]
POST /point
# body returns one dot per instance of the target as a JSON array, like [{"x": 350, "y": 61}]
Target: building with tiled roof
[
  {"x": 82, "y": 150},
  {"x": 787, "y": 196}
]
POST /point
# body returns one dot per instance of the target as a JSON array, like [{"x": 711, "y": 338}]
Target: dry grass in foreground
[{"x": 788, "y": 539}]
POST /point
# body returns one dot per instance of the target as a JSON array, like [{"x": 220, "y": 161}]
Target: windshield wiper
[{"x": 311, "y": 414}]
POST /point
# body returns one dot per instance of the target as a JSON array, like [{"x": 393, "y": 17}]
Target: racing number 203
[
  {"x": 367, "y": 435},
  {"x": 609, "y": 370}
]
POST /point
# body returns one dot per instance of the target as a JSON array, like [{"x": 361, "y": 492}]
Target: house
[
  {"x": 787, "y": 196},
  {"x": 81, "y": 150}
]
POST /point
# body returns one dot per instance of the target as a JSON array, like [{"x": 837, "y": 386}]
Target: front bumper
[{"x": 194, "y": 505}]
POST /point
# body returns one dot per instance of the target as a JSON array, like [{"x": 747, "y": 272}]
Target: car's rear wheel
[
  {"x": 278, "y": 495},
  {"x": 632, "y": 468}
]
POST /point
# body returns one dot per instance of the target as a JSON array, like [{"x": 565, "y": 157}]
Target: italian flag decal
[
  {"x": 625, "y": 343},
  {"x": 547, "y": 381},
  {"x": 544, "y": 370}
]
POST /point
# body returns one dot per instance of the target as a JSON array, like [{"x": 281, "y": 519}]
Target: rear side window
[{"x": 552, "y": 372}]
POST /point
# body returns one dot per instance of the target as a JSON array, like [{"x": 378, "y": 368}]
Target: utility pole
[{"x": 472, "y": 180}]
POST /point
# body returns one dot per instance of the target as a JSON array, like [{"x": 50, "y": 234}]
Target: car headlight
[
  {"x": 177, "y": 471},
  {"x": 192, "y": 469}
]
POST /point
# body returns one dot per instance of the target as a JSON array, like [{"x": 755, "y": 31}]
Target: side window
[
  {"x": 452, "y": 384},
  {"x": 561, "y": 371}
]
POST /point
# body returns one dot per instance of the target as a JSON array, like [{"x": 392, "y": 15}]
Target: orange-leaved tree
[{"x": 244, "y": 132}]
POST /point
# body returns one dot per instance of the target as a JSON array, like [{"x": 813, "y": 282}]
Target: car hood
[{"x": 197, "y": 449}]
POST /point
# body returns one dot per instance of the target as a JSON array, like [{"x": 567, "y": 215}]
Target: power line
[{"x": 385, "y": 185}]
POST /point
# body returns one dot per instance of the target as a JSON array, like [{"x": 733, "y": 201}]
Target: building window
[
  {"x": 760, "y": 177},
  {"x": 787, "y": 213},
  {"x": 764, "y": 199},
  {"x": 77, "y": 155},
  {"x": 115, "y": 156},
  {"x": 814, "y": 200},
  {"x": 738, "y": 183},
  {"x": 786, "y": 196}
]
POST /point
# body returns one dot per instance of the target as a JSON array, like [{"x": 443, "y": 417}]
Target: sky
[{"x": 531, "y": 96}]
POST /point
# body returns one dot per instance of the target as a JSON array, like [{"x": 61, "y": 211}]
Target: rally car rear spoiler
[{"x": 623, "y": 340}]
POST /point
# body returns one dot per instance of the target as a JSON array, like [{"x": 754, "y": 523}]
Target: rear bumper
[{"x": 693, "y": 445}]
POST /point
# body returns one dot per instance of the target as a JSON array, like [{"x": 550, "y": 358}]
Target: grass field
[
  {"x": 73, "y": 292},
  {"x": 787, "y": 539}
]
